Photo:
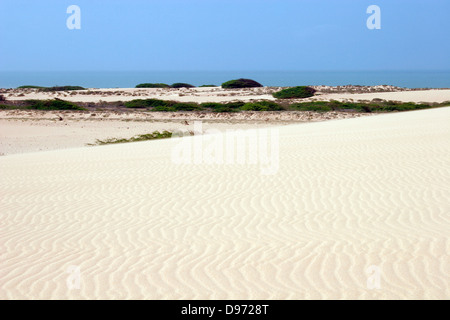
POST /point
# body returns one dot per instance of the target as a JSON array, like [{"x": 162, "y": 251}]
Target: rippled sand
[{"x": 358, "y": 208}]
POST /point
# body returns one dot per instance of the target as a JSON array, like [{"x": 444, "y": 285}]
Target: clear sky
[{"x": 224, "y": 35}]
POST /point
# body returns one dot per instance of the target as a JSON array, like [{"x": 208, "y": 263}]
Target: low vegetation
[
  {"x": 146, "y": 103},
  {"x": 30, "y": 87},
  {"x": 143, "y": 137},
  {"x": 208, "y": 86},
  {"x": 261, "y": 106},
  {"x": 295, "y": 93},
  {"x": 182, "y": 85},
  {"x": 162, "y": 105},
  {"x": 152, "y": 85},
  {"x": 223, "y": 107},
  {"x": 374, "y": 106},
  {"x": 55, "y": 104},
  {"x": 52, "y": 89},
  {"x": 241, "y": 83}
]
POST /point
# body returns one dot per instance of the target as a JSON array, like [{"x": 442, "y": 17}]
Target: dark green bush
[
  {"x": 30, "y": 87},
  {"x": 152, "y": 85},
  {"x": 64, "y": 88},
  {"x": 182, "y": 85},
  {"x": 261, "y": 106},
  {"x": 171, "y": 106},
  {"x": 52, "y": 105},
  {"x": 7, "y": 107},
  {"x": 221, "y": 107},
  {"x": 181, "y": 106},
  {"x": 382, "y": 106},
  {"x": 208, "y": 86},
  {"x": 164, "y": 109},
  {"x": 295, "y": 93},
  {"x": 211, "y": 105},
  {"x": 235, "y": 105},
  {"x": 147, "y": 103},
  {"x": 241, "y": 83},
  {"x": 312, "y": 106}
]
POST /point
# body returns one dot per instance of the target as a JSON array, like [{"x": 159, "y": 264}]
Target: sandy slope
[{"x": 348, "y": 195}]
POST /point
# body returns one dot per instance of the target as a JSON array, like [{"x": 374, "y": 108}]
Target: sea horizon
[{"x": 129, "y": 79}]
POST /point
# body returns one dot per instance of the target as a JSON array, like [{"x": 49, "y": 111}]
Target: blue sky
[{"x": 209, "y": 35}]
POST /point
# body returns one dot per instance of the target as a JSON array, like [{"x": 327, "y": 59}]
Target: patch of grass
[
  {"x": 142, "y": 137},
  {"x": 152, "y": 85},
  {"x": 56, "y": 104},
  {"x": 295, "y": 93},
  {"x": 241, "y": 83},
  {"x": 162, "y": 105},
  {"x": 182, "y": 106},
  {"x": 223, "y": 107},
  {"x": 8, "y": 107},
  {"x": 147, "y": 103},
  {"x": 261, "y": 106}
]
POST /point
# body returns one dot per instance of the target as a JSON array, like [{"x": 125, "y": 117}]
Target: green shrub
[
  {"x": 220, "y": 107},
  {"x": 52, "y": 105},
  {"x": 295, "y": 93},
  {"x": 211, "y": 105},
  {"x": 181, "y": 106},
  {"x": 64, "y": 88},
  {"x": 164, "y": 109},
  {"x": 235, "y": 105},
  {"x": 312, "y": 106},
  {"x": 182, "y": 85},
  {"x": 147, "y": 103},
  {"x": 171, "y": 106},
  {"x": 30, "y": 87},
  {"x": 241, "y": 83},
  {"x": 261, "y": 106},
  {"x": 382, "y": 106},
  {"x": 152, "y": 85},
  {"x": 7, "y": 107},
  {"x": 208, "y": 86}
]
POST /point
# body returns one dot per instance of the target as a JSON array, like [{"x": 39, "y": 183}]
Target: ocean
[{"x": 129, "y": 79}]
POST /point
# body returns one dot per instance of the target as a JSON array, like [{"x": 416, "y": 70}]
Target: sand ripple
[{"x": 349, "y": 194}]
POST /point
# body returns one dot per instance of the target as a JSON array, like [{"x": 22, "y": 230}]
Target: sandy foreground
[{"x": 354, "y": 208}]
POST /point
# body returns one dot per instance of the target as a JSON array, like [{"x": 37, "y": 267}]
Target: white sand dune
[{"x": 350, "y": 197}]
